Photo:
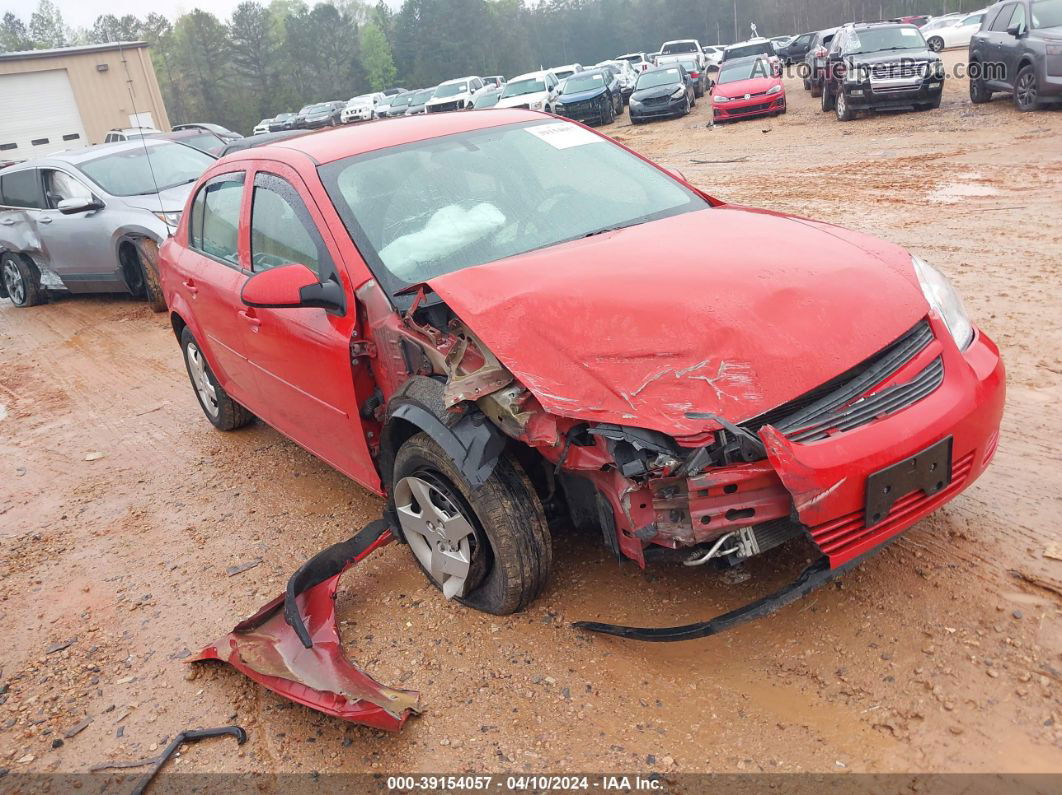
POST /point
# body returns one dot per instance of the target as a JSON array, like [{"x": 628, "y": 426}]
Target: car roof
[
  {"x": 330, "y": 145},
  {"x": 457, "y": 80},
  {"x": 80, "y": 154},
  {"x": 532, "y": 75},
  {"x": 885, "y": 23}
]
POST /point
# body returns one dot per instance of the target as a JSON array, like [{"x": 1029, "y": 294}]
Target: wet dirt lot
[{"x": 942, "y": 653}]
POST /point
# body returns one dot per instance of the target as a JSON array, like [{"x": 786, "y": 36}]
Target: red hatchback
[
  {"x": 747, "y": 87},
  {"x": 508, "y": 325}
]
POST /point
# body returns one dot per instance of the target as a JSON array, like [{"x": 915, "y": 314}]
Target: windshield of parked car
[
  {"x": 322, "y": 108},
  {"x": 743, "y": 70},
  {"x": 144, "y": 170},
  {"x": 745, "y": 50},
  {"x": 1047, "y": 14},
  {"x": 284, "y": 117},
  {"x": 679, "y": 46},
  {"x": 530, "y": 85},
  {"x": 431, "y": 207},
  {"x": 584, "y": 81},
  {"x": 905, "y": 37},
  {"x": 488, "y": 99},
  {"x": 451, "y": 90},
  {"x": 659, "y": 77},
  {"x": 422, "y": 96},
  {"x": 402, "y": 101},
  {"x": 204, "y": 142}
]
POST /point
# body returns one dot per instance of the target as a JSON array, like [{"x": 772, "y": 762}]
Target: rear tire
[
  {"x": 21, "y": 281},
  {"x": 816, "y": 88},
  {"x": 224, "y": 413},
  {"x": 508, "y": 549},
  {"x": 936, "y": 44},
  {"x": 827, "y": 102}
]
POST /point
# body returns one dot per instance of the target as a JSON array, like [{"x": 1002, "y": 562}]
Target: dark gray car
[
  {"x": 1019, "y": 50},
  {"x": 91, "y": 220}
]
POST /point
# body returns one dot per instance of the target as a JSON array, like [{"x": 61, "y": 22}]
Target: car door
[
  {"x": 302, "y": 356},
  {"x": 997, "y": 40},
  {"x": 211, "y": 271},
  {"x": 1013, "y": 42},
  {"x": 81, "y": 246},
  {"x": 21, "y": 200}
]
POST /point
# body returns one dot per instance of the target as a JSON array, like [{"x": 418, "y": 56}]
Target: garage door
[{"x": 39, "y": 115}]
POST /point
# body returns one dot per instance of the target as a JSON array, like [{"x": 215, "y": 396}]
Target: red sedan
[
  {"x": 747, "y": 87},
  {"x": 506, "y": 323}
]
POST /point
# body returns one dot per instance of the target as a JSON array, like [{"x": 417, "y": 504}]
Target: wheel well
[
  {"x": 134, "y": 281},
  {"x": 178, "y": 324},
  {"x": 1025, "y": 61}
]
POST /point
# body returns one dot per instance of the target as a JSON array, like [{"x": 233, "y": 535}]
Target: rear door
[
  {"x": 79, "y": 247},
  {"x": 211, "y": 270},
  {"x": 21, "y": 200},
  {"x": 997, "y": 40},
  {"x": 302, "y": 357}
]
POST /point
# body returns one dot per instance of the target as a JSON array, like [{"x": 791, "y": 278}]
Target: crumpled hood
[
  {"x": 172, "y": 199},
  {"x": 729, "y": 310},
  {"x": 522, "y": 99},
  {"x": 582, "y": 96}
]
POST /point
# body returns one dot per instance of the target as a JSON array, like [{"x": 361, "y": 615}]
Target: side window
[
  {"x": 58, "y": 185},
  {"x": 1002, "y": 21},
  {"x": 214, "y": 228},
  {"x": 282, "y": 231},
  {"x": 22, "y": 189},
  {"x": 1017, "y": 19}
]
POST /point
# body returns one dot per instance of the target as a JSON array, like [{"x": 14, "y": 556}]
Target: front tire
[
  {"x": 487, "y": 548},
  {"x": 147, "y": 256},
  {"x": 224, "y": 413},
  {"x": 21, "y": 281},
  {"x": 1027, "y": 90},
  {"x": 844, "y": 112}
]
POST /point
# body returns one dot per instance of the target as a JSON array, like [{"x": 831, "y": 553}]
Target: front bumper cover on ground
[{"x": 292, "y": 646}]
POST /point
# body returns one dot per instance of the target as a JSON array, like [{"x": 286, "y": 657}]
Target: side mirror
[
  {"x": 75, "y": 206},
  {"x": 1015, "y": 31},
  {"x": 834, "y": 56},
  {"x": 292, "y": 287}
]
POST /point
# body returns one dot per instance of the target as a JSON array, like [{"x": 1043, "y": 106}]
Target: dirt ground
[{"x": 940, "y": 654}]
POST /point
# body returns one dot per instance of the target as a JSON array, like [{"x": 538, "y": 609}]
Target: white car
[
  {"x": 494, "y": 81},
  {"x": 566, "y": 71},
  {"x": 130, "y": 134},
  {"x": 952, "y": 31},
  {"x": 637, "y": 60},
  {"x": 360, "y": 108},
  {"x": 457, "y": 94},
  {"x": 713, "y": 54},
  {"x": 534, "y": 91},
  {"x": 684, "y": 47},
  {"x": 261, "y": 127},
  {"x": 627, "y": 76}
]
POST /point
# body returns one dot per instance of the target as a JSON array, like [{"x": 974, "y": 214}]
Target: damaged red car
[{"x": 505, "y": 323}]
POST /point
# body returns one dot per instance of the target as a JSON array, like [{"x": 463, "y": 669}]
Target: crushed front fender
[{"x": 292, "y": 646}]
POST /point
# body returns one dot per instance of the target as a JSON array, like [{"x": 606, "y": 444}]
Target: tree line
[{"x": 267, "y": 58}]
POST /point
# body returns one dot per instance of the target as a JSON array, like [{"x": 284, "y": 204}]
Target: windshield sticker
[
  {"x": 909, "y": 32},
  {"x": 562, "y": 135}
]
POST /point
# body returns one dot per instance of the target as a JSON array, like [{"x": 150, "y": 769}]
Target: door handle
[
  {"x": 252, "y": 320},
  {"x": 44, "y": 220},
  {"x": 190, "y": 286},
  {"x": 7, "y": 221}
]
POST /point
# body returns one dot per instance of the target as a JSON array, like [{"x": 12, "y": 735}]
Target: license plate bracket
[{"x": 928, "y": 471}]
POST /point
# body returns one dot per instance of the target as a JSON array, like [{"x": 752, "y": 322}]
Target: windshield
[
  {"x": 679, "y": 46},
  {"x": 563, "y": 73},
  {"x": 744, "y": 70},
  {"x": 907, "y": 37},
  {"x": 584, "y": 81},
  {"x": 284, "y": 117},
  {"x": 423, "y": 209},
  {"x": 204, "y": 142},
  {"x": 661, "y": 77},
  {"x": 690, "y": 64},
  {"x": 129, "y": 172},
  {"x": 422, "y": 96},
  {"x": 487, "y": 100},
  {"x": 745, "y": 50},
  {"x": 1047, "y": 14},
  {"x": 530, "y": 85},
  {"x": 451, "y": 90},
  {"x": 359, "y": 102},
  {"x": 324, "y": 106},
  {"x": 402, "y": 101}
]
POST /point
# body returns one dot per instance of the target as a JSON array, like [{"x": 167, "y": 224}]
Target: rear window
[
  {"x": 745, "y": 50},
  {"x": 679, "y": 46},
  {"x": 22, "y": 189}
]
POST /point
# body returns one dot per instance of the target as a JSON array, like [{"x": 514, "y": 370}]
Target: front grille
[
  {"x": 655, "y": 101},
  {"x": 578, "y": 107},
  {"x": 752, "y": 108},
  {"x": 868, "y": 409},
  {"x": 445, "y": 106},
  {"x": 830, "y": 401},
  {"x": 896, "y": 71},
  {"x": 848, "y": 536},
  {"x": 896, "y": 89}
]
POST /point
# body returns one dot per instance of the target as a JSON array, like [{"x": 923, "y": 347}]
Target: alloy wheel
[
  {"x": 1027, "y": 90},
  {"x": 16, "y": 288},
  {"x": 197, "y": 366},
  {"x": 443, "y": 540}
]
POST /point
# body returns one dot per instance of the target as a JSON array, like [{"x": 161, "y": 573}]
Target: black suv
[
  {"x": 881, "y": 66},
  {"x": 1018, "y": 50}
]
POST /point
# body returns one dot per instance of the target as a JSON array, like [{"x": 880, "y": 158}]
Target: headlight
[
  {"x": 170, "y": 219},
  {"x": 774, "y": 90},
  {"x": 943, "y": 298},
  {"x": 678, "y": 92},
  {"x": 720, "y": 98}
]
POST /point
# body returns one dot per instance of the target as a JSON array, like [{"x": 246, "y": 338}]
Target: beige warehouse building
[{"x": 61, "y": 99}]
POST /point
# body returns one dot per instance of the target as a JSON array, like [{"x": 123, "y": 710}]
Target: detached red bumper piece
[{"x": 292, "y": 647}]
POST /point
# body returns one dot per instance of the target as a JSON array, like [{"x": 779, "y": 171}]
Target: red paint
[
  {"x": 748, "y": 98},
  {"x": 265, "y": 649}
]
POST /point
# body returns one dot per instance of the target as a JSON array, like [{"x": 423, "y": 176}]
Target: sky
[{"x": 82, "y": 13}]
